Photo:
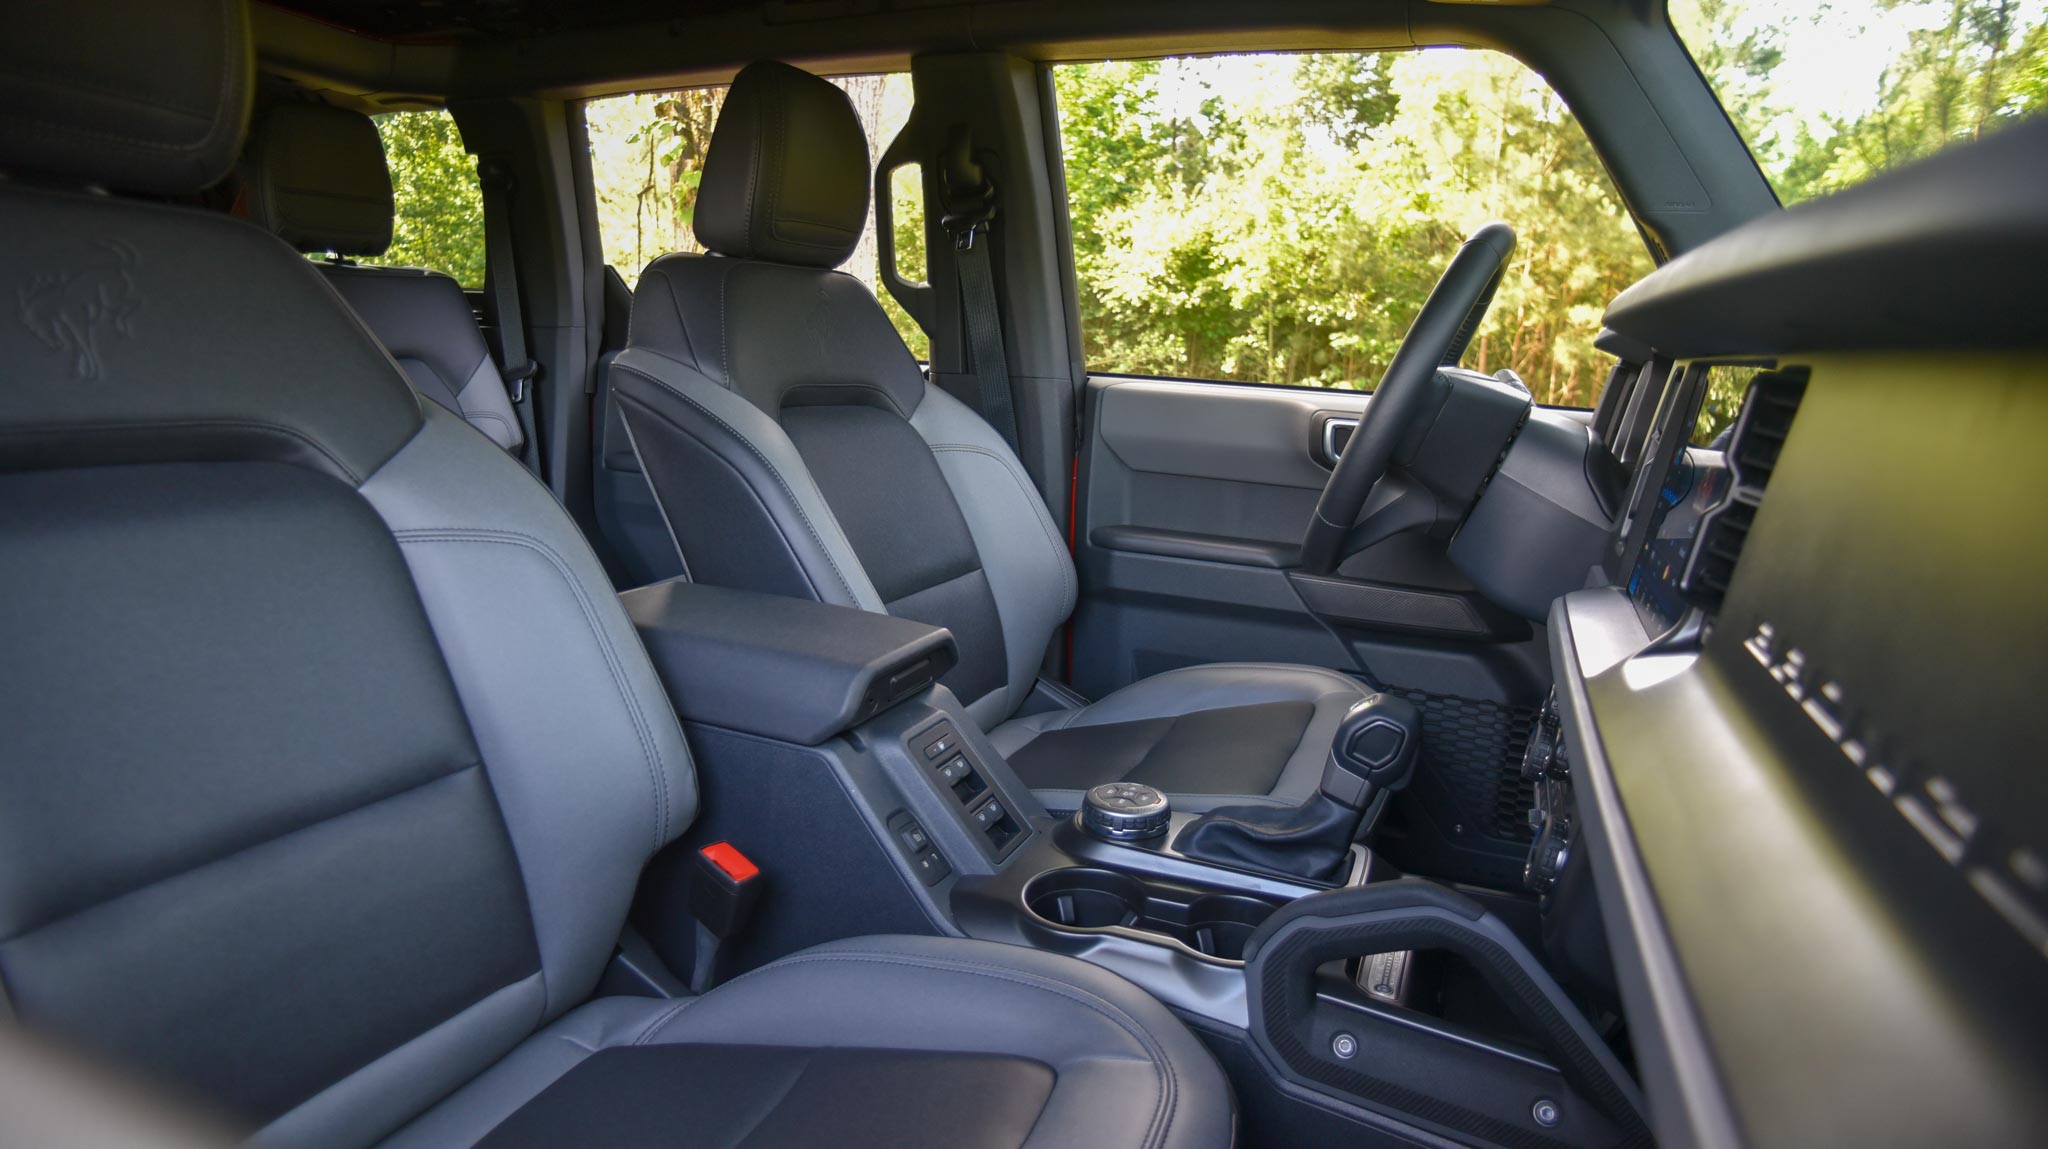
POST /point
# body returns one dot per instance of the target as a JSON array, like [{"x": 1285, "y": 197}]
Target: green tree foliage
[
  {"x": 440, "y": 206},
  {"x": 1962, "y": 68},
  {"x": 1280, "y": 219}
]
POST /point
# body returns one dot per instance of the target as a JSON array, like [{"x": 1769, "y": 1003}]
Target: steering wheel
[{"x": 1448, "y": 319}]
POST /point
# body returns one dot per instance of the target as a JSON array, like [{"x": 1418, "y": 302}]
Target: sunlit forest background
[{"x": 1279, "y": 219}]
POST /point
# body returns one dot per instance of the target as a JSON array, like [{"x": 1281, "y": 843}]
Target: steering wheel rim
[{"x": 1437, "y": 338}]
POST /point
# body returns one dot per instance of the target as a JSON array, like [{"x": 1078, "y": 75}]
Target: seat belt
[
  {"x": 969, "y": 200},
  {"x": 521, "y": 372}
]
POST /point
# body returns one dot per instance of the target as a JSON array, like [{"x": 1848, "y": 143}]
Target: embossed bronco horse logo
[{"x": 70, "y": 311}]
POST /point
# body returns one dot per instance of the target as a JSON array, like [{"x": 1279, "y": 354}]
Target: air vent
[{"x": 1753, "y": 452}]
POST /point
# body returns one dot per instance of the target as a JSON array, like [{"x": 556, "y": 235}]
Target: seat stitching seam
[
  {"x": 675, "y": 302},
  {"x": 612, "y": 663},
  {"x": 724, "y": 329},
  {"x": 788, "y": 1087},
  {"x": 237, "y": 852},
  {"x": 1169, "y": 1081},
  {"x": 632, "y": 411},
  {"x": 604, "y": 644},
  {"x": 729, "y": 429},
  {"x": 659, "y": 1024},
  {"x": 215, "y": 123},
  {"x": 1069, "y": 589},
  {"x": 95, "y": 428}
]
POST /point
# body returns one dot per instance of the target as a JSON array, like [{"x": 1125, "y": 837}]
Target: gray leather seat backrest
[
  {"x": 316, "y": 175},
  {"x": 793, "y": 443},
  {"x": 288, "y": 814}
]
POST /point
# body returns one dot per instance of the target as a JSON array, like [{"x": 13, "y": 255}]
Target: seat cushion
[
  {"x": 880, "y": 1041},
  {"x": 1229, "y": 733}
]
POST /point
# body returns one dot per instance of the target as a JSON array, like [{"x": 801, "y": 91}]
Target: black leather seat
[
  {"x": 796, "y": 448},
  {"x": 290, "y": 818},
  {"x": 316, "y": 176}
]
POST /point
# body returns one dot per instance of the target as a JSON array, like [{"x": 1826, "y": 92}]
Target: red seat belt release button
[
  {"x": 730, "y": 861},
  {"x": 724, "y": 888}
]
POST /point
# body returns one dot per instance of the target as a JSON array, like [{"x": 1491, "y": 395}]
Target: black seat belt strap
[
  {"x": 521, "y": 372},
  {"x": 970, "y": 206}
]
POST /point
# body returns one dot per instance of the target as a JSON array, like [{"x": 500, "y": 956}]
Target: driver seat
[{"x": 795, "y": 447}]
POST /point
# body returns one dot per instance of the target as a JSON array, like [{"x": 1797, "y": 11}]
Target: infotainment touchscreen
[
  {"x": 1676, "y": 480},
  {"x": 1696, "y": 481}
]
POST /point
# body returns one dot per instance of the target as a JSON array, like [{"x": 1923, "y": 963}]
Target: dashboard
[{"x": 1798, "y": 705}]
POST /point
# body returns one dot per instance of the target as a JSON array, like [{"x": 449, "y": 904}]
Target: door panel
[
  {"x": 1193, "y": 500},
  {"x": 1218, "y": 431},
  {"x": 1173, "y": 472}
]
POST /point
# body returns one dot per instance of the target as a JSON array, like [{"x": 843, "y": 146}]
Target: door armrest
[{"x": 1189, "y": 545}]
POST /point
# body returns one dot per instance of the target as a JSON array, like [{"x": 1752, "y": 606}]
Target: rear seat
[{"x": 316, "y": 176}]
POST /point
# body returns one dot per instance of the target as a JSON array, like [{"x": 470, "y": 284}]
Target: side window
[
  {"x": 647, "y": 158},
  {"x": 440, "y": 206},
  {"x": 1280, "y": 218}
]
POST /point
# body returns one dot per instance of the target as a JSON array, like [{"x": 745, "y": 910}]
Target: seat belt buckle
[
  {"x": 724, "y": 888},
  {"x": 720, "y": 893},
  {"x": 516, "y": 379}
]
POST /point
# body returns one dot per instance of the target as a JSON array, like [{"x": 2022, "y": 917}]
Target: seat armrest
[{"x": 783, "y": 668}]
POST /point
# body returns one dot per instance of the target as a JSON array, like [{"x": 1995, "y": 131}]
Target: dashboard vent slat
[{"x": 1753, "y": 450}]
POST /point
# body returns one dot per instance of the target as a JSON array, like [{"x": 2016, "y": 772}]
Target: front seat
[
  {"x": 290, "y": 817},
  {"x": 316, "y": 176},
  {"x": 795, "y": 447}
]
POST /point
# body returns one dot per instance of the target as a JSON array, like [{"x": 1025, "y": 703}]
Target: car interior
[{"x": 796, "y": 684}]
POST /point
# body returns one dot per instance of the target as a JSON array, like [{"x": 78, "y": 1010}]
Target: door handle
[{"x": 1337, "y": 432}]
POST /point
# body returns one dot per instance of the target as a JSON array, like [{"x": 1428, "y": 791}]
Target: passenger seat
[
  {"x": 291, "y": 820},
  {"x": 316, "y": 176}
]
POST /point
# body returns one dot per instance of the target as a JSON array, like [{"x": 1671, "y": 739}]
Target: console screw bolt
[
  {"x": 1344, "y": 1045},
  {"x": 1544, "y": 1111}
]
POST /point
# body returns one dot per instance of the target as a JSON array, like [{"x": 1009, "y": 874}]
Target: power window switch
[
  {"x": 990, "y": 813},
  {"x": 914, "y": 838},
  {"x": 931, "y": 868},
  {"x": 953, "y": 771},
  {"x": 944, "y": 743}
]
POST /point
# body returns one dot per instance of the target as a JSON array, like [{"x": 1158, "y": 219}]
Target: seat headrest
[
  {"x": 316, "y": 176},
  {"x": 134, "y": 95},
  {"x": 786, "y": 177}
]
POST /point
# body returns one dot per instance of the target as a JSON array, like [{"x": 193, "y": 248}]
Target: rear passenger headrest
[
  {"x": 316, "y": 176},
  {"x": 786, "y": 178},
  {"x": 135, "y": 95}
]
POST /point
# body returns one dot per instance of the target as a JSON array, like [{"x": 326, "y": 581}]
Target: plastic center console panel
[
  {"x": 1573, "y": 1093},
  {"x": 783, "y": 668}
]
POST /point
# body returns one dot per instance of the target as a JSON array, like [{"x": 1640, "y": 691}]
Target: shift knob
[
  {"x": 1125, "y": 811},
  {"x": 1374, "y": 750}
]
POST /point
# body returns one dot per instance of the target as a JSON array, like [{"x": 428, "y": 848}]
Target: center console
[{"x": 1341, "y": 998}]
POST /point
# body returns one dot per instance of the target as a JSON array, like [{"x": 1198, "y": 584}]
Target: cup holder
[
  {"x": 1210, "y": 923},
  {"x": 1086, "y": 899},
  {"x": 1220, "y": 924}
]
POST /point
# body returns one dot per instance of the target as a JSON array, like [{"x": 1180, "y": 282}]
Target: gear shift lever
[{"x": 1372, "y": 756}]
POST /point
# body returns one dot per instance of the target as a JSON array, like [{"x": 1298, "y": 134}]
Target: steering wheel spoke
[{"x": 1439, "y": 335}]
